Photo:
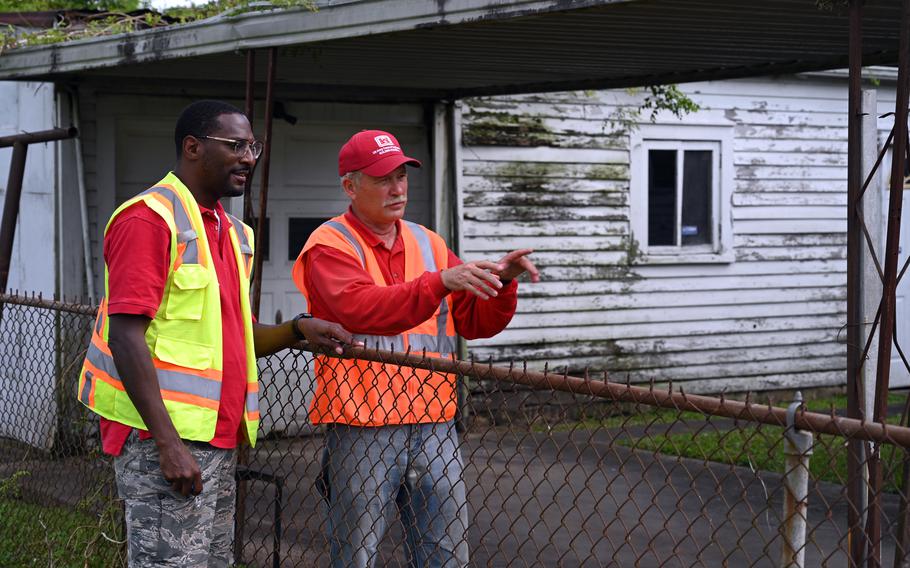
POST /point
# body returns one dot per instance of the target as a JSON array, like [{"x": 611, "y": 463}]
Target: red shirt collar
[
  {"x": 212, "y": 213},
  {"x": 368, "y": 235}
]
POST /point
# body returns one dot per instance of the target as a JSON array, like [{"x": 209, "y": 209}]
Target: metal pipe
[
  {"x": 264, "y": 179},
  {"x": 11, "y": 209},
  {"x": 244, "y": 474},
  {"x": 83, "y": 205},
  {"x": 59, "y": 240},
  {"x": 51, "y": 135},
  {"x": 20, "y": 143},
  {"x": 898, "y": 161},
  {"x": 855, "y": 454},
  {"x": 797, "y": 450},
  {"x": 652, "y": 396},
  {"x": 886, "y": 329},
  {"x": 276, "y": 537},
  {"x": 870, "y": 270},
  {"x": 53, "y": 305},
  {"x": 248, "y": 109},
  {"x": 243, "y": 452}
]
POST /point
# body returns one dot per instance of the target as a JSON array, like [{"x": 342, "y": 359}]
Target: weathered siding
[
  {"x": 552, "y": 172},
  {"x": 29, "y": 107}
]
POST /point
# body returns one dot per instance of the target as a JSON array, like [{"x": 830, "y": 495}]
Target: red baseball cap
[{"x": 373, "y": 152}]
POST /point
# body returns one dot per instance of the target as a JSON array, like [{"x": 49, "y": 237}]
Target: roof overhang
[{"x": 439, "y": 49}]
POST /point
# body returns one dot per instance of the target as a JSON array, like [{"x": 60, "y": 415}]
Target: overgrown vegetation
[
  {"x": 625, "y": 118},
  {"x": 38, "y": 5},
  {"x": 668, "y": 98},
  {"x": 116, "y": 18}
]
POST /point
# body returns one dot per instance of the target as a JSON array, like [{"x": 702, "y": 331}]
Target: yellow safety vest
[
  {"x": 364, "y": 393},
  {"x": 185, "y": 337}
]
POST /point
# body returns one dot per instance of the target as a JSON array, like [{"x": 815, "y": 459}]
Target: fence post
[{"x": 797, "y": 449}]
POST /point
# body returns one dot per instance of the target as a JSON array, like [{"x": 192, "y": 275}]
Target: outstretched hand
[
  {"x": 478, "y": 278},
  {"x": 517, "y": 263},
  {"x": 327, "y": 334},
  {"x": 483, "y": 278}
]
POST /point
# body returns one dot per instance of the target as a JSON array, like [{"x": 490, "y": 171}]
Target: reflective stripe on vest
[
  {"x": 86, "y": 389},
  {"x": 349, "y": 238},
  {"x": 176, "y": 381},
  {"x": 252, "y": 402},
  {"x": 186, "y": 234},
  {"x": 244, "y": 244},
  {"x": 443, "y": 343}
]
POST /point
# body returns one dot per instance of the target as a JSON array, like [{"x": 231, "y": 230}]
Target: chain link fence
[{"x": 558, "y": 471}]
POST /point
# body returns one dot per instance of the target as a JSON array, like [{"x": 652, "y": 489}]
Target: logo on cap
[{"x": 384, "y": 141}]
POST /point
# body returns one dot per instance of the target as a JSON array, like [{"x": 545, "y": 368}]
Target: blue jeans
[{"x": 416, "y": 466}]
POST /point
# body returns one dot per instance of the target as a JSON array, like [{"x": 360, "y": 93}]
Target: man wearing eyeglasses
[{"x": 171, "y": 367}]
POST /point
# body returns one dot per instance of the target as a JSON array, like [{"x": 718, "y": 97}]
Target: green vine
[
  {"x": 668, "y": 98},
  {"x": 625, "y": 118},
  {"x": 118, "y": 22}
]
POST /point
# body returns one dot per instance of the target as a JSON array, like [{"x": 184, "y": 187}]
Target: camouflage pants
[{"x": 164, "y": 528}]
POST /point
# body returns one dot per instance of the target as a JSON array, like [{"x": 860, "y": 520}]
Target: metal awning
[{"x": 437, "y": 49}]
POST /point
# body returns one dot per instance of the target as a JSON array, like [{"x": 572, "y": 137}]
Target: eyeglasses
[{"x": 240, "y": 147}]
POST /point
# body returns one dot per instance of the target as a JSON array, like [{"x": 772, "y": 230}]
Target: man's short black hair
[{"x": 200, "y": 119}]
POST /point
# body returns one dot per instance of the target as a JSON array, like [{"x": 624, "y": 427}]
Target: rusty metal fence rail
[{"x": 558, "y": 471}]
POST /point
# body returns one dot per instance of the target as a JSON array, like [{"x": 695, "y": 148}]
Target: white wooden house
[
  {"x": 740, "y": 287},
  {"x": 709, "y": 250}
]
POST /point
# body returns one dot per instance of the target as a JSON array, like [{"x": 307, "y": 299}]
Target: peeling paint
[
  {"x": 609, "y": 172},
  {"x": 505, "y": 129},
  {"x": 518, "y": 195},
  {"x": 530, "y": 169}
]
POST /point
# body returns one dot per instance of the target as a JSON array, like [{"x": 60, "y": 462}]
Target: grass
[
  {"x": 760, "y": 447},
  {"x": 752, "y": 445},
  {"x": 62, "y": 537}
]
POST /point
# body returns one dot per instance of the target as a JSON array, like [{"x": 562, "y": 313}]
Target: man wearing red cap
[{"x": 390, "y": 433}]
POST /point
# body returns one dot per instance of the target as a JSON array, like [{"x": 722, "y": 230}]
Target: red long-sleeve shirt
[{"x": 342, "y": 291}]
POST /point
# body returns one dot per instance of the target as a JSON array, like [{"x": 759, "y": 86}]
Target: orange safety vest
[{"x": 364, "y": 393}]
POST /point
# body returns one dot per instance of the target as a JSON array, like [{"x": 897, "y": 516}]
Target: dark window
[
  {"x": 661, "y": 197},
  {"x": 693, "y": 192},
  {"x": 696, "y": 200},
  {"x": 263, "y": 245},
  {"x": 299, "y": 230}
]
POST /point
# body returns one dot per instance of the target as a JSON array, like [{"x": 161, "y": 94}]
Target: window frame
[{"x": 680, "y": 137}]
